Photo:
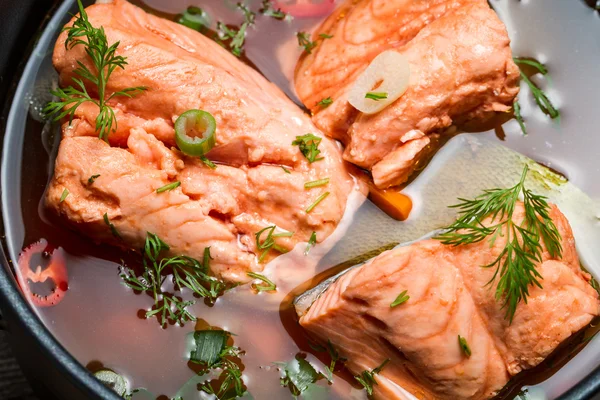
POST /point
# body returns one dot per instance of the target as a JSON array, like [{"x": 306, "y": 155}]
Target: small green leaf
[
  {"x": 64, "y": 195},
  {"x": 402, "y": 298},
  {"x": 209, "y": 345},
  {"x": 462, "y": 342},
  {"x": 376, "y": 96}
]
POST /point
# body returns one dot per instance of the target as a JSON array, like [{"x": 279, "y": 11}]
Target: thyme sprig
[
  {"x": 105, "y": 61},
  {"x": 515, "y": 266}
]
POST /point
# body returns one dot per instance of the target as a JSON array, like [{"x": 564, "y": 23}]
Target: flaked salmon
[
  {"x": 461, "y": 71},
  {"x": 222, "y": 208},
  {"x": 449, "y": 297}
]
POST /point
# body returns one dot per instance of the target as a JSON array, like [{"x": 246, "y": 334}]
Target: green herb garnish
[
  {"x": 113, "y": 230},
  {"x": 186, "y": 272},
  {"x": 236, "y": 36},
  {"x": 311, "y": 242},
  {"x": 376, "y": 96},
  {"x": 92, "y": 178},
  {"x": 367, "y": 378},
  {"x": 213, "y": 353},
  {"x": 309, "y": 146},
  {"x": 540, "y": 97},
  {"x": 287, "y": 171},
  {"x": 316, "y": 202},
  {"x": 195, "y": 18},
  {"x": 402, "y": 298},
  {"x": 267, "y": 285},
  {"x": 64, "y": 195},
  {"x": 519, "y": 117},
  {"x": 268, "y": 10},
  {"x": 515, "y": 266},
  {"x": 464, "y": 346},
  {"x": 325, "y": 36},
  {"x": 326, "y": 102},
  {"x": 300, "y": 376},
  {"x": 105, "y": 62},
  {"x": 317, "y": 183},
  {"x": 168, "y": 187},
  {"x": 269, "y": 242},
  {"x": 304, "y": 41}
]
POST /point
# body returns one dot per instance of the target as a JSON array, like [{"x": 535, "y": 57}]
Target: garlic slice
[{"x": 388, "y": 73}]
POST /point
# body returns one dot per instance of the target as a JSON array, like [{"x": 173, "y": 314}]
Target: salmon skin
[
  {"x": 222, "y": 208},
  {"x": 461, "y": 71},
  {"x": 449, "y": 297}
]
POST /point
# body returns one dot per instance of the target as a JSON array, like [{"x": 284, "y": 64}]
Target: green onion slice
[{"x": 195, "y": 132}]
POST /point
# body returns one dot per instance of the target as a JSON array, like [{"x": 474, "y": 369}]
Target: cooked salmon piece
[
  {"x": 449, "y": 296},
  {"x": 461, "y": 71},
  {"x": 222, "y": 208}
]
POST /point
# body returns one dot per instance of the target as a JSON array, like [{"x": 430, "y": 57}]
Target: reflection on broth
[{"x": 102, "y": 322}]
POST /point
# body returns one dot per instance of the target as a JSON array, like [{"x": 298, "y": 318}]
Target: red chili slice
[
  {"x": 306, "y": 8},
  {"x": 55, "y": 271}
]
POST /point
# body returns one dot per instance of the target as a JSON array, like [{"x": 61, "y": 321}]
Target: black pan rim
[
  {"x": 11, "y": 299},
  {"x": 13, "y": 302}
]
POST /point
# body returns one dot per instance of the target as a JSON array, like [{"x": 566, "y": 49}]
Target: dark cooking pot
[{"x": 50, "y": 368}]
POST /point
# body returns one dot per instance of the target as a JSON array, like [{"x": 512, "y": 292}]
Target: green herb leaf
[
  {"x": 376, "y": 96},
  {"x": 316, "y": 202},
  {"x": 519, "y": 117},
  {"x": 325, "y": 36},
  {"x": 213, "y": 353},
  {"x": 540, "y": 97},
  {"x": 266, "y": 287},
  {"x": 269, "y": 242},
  {"x": 287, "y": 171},
  {"x": 367, "y": 378},
  {"x": 309, "y": 146},
  {"x": 304, "y": 41},
  {"x": 209, "y": 346},
  {"x": 105, "y": 62},
  {"x": 311, "y": 242},
  {"x": 208, "y": 163},
  {"x": 186, "y": 272},
  {"x": 268, "y": 10},
  {"x": 326, "y": 102},
  {"x": 462, "y": 342},
  {"x": 515, "y": 265},
  {"x": 63, "y": 196},
  {"x": 168, "y": 187},
  {"x": 402, "y": 298},
  {"x": 195, "y": 18},
  {"x": 92, "y": 179},
  {"x": 113, "y": 230},
  {"x": 299, "y": 375},
  {"x": 314, "y": 184}
]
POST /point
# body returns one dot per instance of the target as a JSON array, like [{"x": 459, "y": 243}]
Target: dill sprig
[
  {"x": 540, "y": 97},
  {"x": 186, "y": 273},
  {"x": 515, "y": 265},
  {"x": 105, "y": 62}
]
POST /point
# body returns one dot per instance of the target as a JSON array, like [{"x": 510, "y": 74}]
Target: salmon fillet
[
  {"x": 221, "y": 208},
  {"x": 449, "y": 297},
  {"x": 461, "y": 71}
]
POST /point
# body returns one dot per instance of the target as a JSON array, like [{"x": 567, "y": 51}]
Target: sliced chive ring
[{"x": 195, "y": 132}]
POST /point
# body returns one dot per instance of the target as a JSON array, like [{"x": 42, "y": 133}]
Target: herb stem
[{"x": 317, "y": 201}]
